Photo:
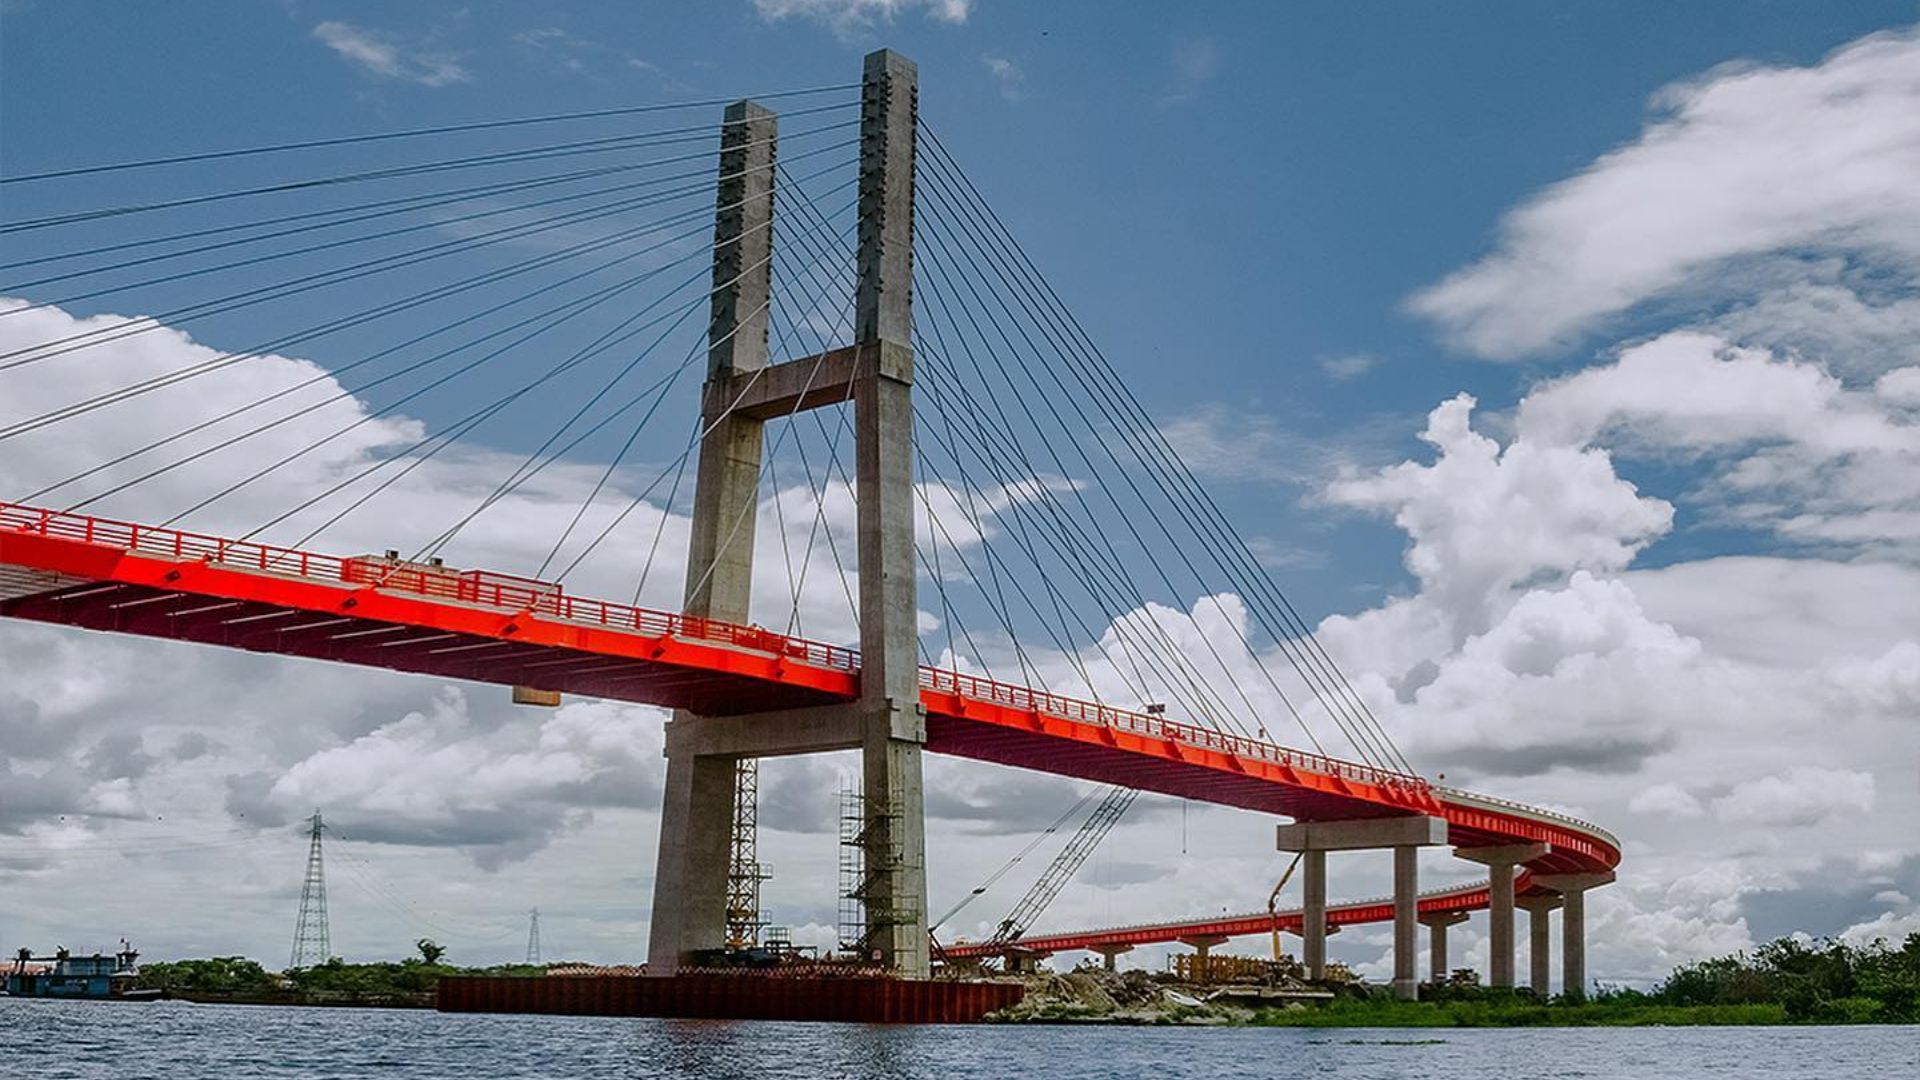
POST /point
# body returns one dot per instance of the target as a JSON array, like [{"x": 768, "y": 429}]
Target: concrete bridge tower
[{"x": 743, "y": 391}]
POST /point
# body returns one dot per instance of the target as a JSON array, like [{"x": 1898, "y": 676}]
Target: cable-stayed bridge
[{"x": 1009, "y": 556}]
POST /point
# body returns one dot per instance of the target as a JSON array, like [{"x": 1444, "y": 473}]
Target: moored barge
[{"x": 100, "y": 977}]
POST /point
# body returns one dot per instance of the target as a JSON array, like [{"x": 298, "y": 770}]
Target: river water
[{"x": 41, "y": 1040}]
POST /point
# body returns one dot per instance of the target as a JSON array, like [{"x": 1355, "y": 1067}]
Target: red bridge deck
[
  {"x": 1471, "y": 897},
  {"x": 84, "y": 571}
]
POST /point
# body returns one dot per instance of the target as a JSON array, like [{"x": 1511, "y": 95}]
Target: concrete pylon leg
[
  {"x": 696, "y": 818},
  {"x": 895, "y": 890},
  {"x": 1539, "y": 956},
  {"x": 1406, "y": 909},
  {"x": 1313, "y": 884},
  {"x": 690, "y": 878},
  {"x": 1500, "y": 924}
]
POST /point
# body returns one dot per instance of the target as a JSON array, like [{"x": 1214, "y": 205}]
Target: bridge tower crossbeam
[{"x": 887, "y": 721}]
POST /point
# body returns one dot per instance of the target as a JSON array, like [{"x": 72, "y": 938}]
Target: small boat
[{"x": 100, "y": 977}]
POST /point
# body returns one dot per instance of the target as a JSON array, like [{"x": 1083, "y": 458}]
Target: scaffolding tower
[
  {"x": 745, "y": 875},
  {"x": 853, "y": 914},
  {"x": 870, "y": 856}
]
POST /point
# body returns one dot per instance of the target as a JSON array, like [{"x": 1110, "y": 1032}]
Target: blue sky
[
  {"x": 1253, "y": 188},
  {"x": 1652, "y": 573}
]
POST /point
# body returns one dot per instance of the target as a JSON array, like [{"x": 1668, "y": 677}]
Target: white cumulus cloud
[
  {"x": 850, "y": 18},
  {"x": 1746, "y": 160},
  {"x": 381, "y": 55},
  {"x": 1803, "y": 795}
]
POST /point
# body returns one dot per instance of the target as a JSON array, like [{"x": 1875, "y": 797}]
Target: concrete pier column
[
  {"x": 1313, "y": 923},
  {"x": 1406, "y": 908},
  {"x": 1573, "y": 926},
  {"x": 1539, "y": 938},
  {"x": 1108, "y": 954},
  {"x": 1405, "y": 835},
  {"x": 1573, "y": 946},
  {"x": 1500, "y": 862},
  {"x": 1500, "y": 924},
  {"x": 1437, "y": 925}
]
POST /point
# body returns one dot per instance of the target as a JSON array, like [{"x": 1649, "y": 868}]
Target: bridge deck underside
[
  {"x": 288, "y": 631},
  {"x": 1088, "y": 760},
  {"x": 591, "y": 648},
  {"x": 263, "y": 627}
]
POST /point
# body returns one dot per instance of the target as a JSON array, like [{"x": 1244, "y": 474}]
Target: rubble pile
[{"x": 1091, "y": 994}]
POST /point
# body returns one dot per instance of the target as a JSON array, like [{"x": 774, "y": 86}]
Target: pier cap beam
[
  {"x": 1508, "y": 854},
  {"x": 1566, "y": 883},
  {"x": 1404, "y": 835},
  {"x": 815, "y": 730},
  {"x": 1361, "y": 834}
]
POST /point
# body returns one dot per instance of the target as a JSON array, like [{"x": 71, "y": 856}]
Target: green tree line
[
  {"x": 237, "y": 976},
  {"x": 1788, "y": 981},
  {"x": 1825, "y": 982}
]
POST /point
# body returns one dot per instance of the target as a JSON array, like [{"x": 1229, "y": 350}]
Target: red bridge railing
[
  {"x": 1027, "y": 699},
  {"x": 548, "y": 598},
  {"x": 472, "y": 587}
]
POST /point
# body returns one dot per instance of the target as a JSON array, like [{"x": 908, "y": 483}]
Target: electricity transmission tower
[
  {"x": 533, "y": 936},
  {"x": 312, "y": 945}
]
